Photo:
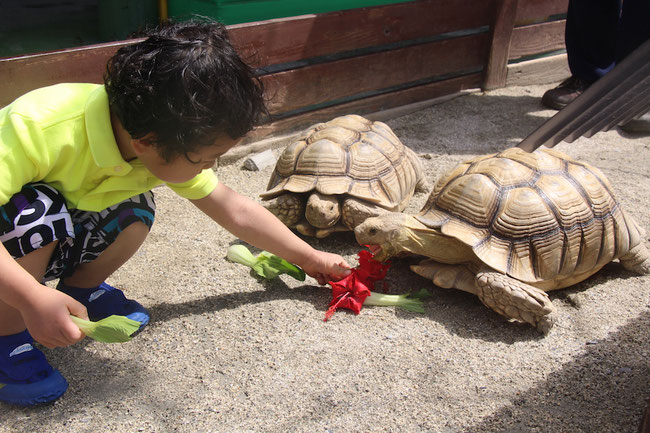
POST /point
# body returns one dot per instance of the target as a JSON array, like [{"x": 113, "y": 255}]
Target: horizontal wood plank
[
  {"x": 291, "y": 39},
  {"x": 299, "y": 88},
  {"x": 367, "y": 107},
  {"x": 532, "y": 11},
  {"x": 536, "y": 39},
  {"x": 79, "y": 65},
  {"x": 545, "y": 70}
]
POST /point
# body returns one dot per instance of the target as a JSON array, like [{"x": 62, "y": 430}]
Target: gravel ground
[{"x": 228, "y": 353}]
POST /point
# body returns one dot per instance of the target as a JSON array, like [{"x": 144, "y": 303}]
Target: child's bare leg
[
  {"x": 92, "y": 274},
  {"x": 11, "y": 321}
]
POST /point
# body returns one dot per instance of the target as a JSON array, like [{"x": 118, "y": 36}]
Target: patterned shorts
[{"x": 38, "y": 215}]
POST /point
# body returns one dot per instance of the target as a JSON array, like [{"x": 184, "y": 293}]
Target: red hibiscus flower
[{"x": 352, "y": 291}]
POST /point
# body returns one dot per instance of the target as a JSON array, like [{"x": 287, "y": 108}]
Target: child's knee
[{"x": 136, "y": 230}]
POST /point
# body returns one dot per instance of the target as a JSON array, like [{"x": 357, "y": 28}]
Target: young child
[{"x": 77, "y": 165}]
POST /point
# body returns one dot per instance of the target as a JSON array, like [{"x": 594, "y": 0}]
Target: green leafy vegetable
[
  {"x": 240, "y": 254},
  {"x": 112, "y": 329},
  {"x": 265, "y": 264},
  {"x": 409, "y": 302}
]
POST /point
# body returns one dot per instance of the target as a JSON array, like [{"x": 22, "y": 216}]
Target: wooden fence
[{"x": 360, "y": 61}]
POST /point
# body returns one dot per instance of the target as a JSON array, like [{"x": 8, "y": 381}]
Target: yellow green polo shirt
[{"x": 62, "y": 135}]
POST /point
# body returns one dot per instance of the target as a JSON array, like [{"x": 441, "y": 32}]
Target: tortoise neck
[{"x": 431, "y": 242}]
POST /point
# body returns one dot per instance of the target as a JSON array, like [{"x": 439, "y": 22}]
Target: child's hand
[
  {"x": 325, "y": 267},
  {"x": 47, "y": 317}
]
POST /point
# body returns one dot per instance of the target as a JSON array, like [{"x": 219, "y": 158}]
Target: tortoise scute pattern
[
  {"x": 517, "y": 210},
  {"x": 342, "y": 172},
  {"x": 472, "y": 197},
  {"x": 503, "y": 172},
  {"x": 511, "y": 226},
  {"x": 353, "y": 156}
]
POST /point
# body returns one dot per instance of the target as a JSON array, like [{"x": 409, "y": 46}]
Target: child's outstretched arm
[
  {"x": 45, "y": 312},
  {"x": 251, "y": 222}
]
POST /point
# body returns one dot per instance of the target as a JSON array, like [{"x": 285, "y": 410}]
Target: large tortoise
[
  {"x": 510, "y": 226},
  {"x": 341, "y": 172}
]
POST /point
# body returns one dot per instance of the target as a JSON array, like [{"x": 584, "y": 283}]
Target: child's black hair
[{"x": 186, "y": 85}]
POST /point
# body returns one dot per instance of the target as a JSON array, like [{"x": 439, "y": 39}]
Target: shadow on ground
[{"x": 615, "y": 378}]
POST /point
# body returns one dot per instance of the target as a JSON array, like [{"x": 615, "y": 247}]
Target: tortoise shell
[
  {"x": 534, "y": 216},
  {"x": 349, "y": 155}
]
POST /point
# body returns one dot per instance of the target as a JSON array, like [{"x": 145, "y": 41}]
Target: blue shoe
[
  {"x": 26, "y": 378},
  {"x": 104, "y": 300}
]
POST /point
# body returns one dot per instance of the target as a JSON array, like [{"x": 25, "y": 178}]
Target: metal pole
[{"x": 619, "y": 96}]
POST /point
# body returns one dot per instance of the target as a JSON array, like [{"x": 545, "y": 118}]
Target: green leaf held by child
[
  {"x": 112, "y": 329},
  {"x": 265, "y": 264}
]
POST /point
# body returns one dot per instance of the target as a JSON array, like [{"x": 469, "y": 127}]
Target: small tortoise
[
  {"x": 509, "y": 227},
  {"x": 340, "y": 173}
]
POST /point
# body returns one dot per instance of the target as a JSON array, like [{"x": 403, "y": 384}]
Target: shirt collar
[{"x": 101, "y": 138}]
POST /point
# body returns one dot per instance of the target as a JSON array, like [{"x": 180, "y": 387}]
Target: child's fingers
[
  {"x": 77, "y": 309},
  {"x": 343, "y": 265},
  {"x": 70, "y": 331},
  {"x": 341, "y": 270},
  {"x": 322, "y": 280},
  {"x": 58, "y": 338}
]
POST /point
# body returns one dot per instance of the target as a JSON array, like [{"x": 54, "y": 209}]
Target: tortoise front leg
[
  {"x": 355, "y": 211},
  {"x": 289, "y": 208},
  {"x": 447, "y": 276},
  {"x": 514, "y": 299}
]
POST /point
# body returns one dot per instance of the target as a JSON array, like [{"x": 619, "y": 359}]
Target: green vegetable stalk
[
  {"x": 112, "y": 329},
  {"x": 409, "y": 302},
  {"x": 265, "y": 264}
]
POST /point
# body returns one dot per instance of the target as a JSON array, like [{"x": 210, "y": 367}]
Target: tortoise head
[
  {"x": 322, "y": 211},
  {"x": 391, "y": 234}
]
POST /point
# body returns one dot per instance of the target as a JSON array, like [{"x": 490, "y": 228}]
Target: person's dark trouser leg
[
  {"x": 590, "y": 36},
  {"x": 634, "y": 31},
  {"x": 634, "y": 28}
]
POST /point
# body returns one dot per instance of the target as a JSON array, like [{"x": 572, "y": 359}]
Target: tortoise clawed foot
[
  {"x": 545, "y": 323},
  {"x": 305, "y": 229},
  {"x": 637, "y": 260},
  {"x": 323, "y": 233},
  {"x": 515, "y": 300}
]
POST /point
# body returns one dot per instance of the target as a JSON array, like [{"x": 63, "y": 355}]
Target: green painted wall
[{"x": 241, "y": 11}]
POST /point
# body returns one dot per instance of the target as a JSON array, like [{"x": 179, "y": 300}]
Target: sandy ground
[{"x": 227, "y": 353}]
